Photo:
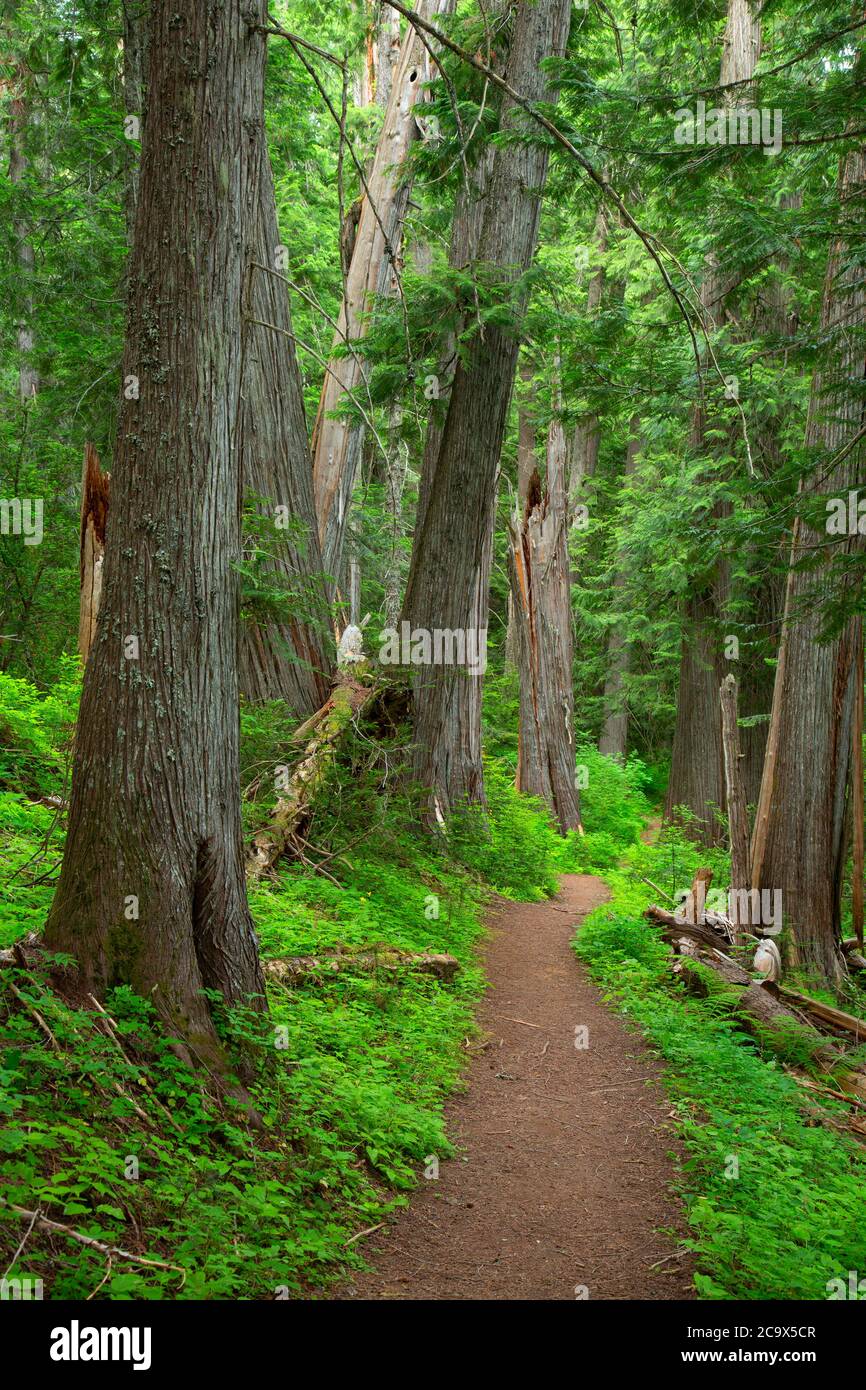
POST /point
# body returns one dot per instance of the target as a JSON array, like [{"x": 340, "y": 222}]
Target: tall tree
[
  {"x": 799, "y": 840},
  {"x": 447, "y": 586},
  {"x": 697, "y": 779},
  {"x": 286, "y": 649},
  {"x": 613, "y": 740},
  {"x": 542, "y": 616},
  {"x": 19, "y": 163},
  {"x": 152, "y": 887},
  {"x": 337, "y": 443}
]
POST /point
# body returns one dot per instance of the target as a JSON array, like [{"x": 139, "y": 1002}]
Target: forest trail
[{"x": 562, "y": 1176}]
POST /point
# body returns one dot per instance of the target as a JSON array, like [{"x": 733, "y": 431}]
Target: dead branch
[
  {"x": 110, "y": 1250},
  {"x": 292, "y": 971}
]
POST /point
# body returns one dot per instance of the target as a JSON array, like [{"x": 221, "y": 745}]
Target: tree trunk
[
  {"x": 738, "y": 819},
  {"x": 799, "y": 836},
  {"x": 135, "y": 31},
  {"x": 613, "y": 741},
  {"x": 857, "y": 809},
  {"x": 697, "y": 771},
  {"x": 448, "y": 578},
  {"x": 540, "y": 586},
  {"x": 288, "y": 653},
  {"x": 19, "y": 119},
  {"x": 766, "y": 601},
  {"x": 336, "y": 441},
  {"x": 386, "y": 54},
  {"x": 152, "y": 889},
  {"x": 587, "y": 432},
  {"x": 697, "y": 763},
  {"x": 395, "y": 482},
  {"x": 94, "y": 517},
  {"x": 526, "y": 467}
]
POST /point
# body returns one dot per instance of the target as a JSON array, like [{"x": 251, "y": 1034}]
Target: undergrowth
[
  {"x": 774, "y": 1200},
  {"x": 120, "y": 1141},
  {"x": 115, "y": 1137}
]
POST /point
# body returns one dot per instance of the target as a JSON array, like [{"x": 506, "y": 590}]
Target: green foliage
[
  {"x": 34, "y": 729},
  {"x": 790, "y": 1219},
  {"x": 350, "y": 1071}
]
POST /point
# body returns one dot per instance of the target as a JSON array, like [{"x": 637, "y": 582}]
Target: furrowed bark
[
  {"x": 287, "y": 654},
  {"x": 799, "y": 837},
  {"x": 19, "y": 120},
  {"x": 613, "y": 741},
  {"x": 448, "y": 578},
  {"x": 586, "y": 439},
  {"x": 336, "y": 441},
  {"x": 152, "y": 889},
  {"x": 135, "y": 31},
  {"x": 857, "y": 808},
  {"x": 738, "y": 818},
  {"x": 697, "y": 767},
  {"x": 542, "y": 615},
  {"x": 526, "y": 467}
]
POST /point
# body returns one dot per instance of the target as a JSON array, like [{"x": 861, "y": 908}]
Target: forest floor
[{"x": 564, "y": 1167}]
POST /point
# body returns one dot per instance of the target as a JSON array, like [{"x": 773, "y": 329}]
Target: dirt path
[{"x": 563, "y": 1164}]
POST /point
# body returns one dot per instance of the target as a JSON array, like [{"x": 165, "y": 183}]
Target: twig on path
[
  {"x": 520, "y": 1020},
  {"x": 368, "y": 1232}
]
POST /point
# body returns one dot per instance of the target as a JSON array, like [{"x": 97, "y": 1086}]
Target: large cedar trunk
[
  {"x": 19, "y": 120},
  {"x": 448, "y": 578},
  {"x": 697, "y": 771},
  {"x": 613, "y": 740},
  {"x": 134, "y": 97},
  {"x": 152, "y": 887},
  {"x": 586, "y": 439},
  {"x": 337, "y": 443},
  {"x": 799, "y": 841},
  {"x": 540, "y": 587},
  {"x": 697, "y": 767},
  {"x": 775, "y": 319},
  {"x": 289, "y": 658}
]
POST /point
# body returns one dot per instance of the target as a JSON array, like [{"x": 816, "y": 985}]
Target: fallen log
[
  {"x": 299, "y": 970},
  {"x": 759, "y": 1004},
  {"x": 854, "y": 957},
  {"x": 693, "y": 909},
  {"x": 836, "y": 1018},
  {"x": 323, "y": 730},
  {"x": 761, "y": 1014},
  {"x": 676, "y": 926}
]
